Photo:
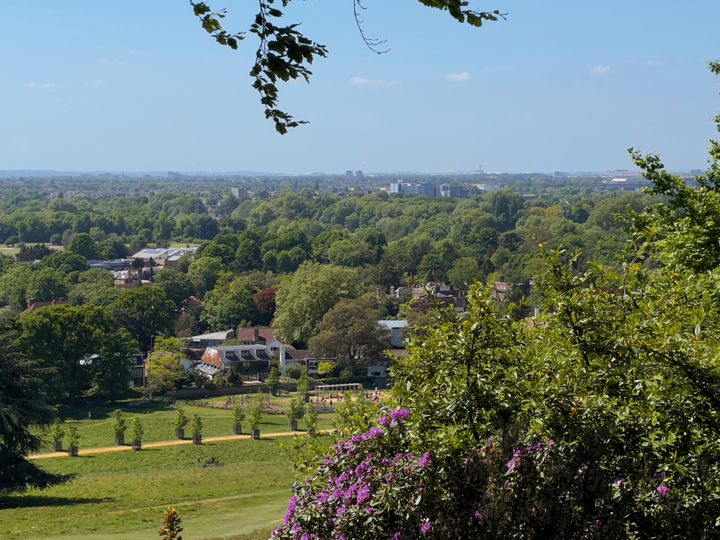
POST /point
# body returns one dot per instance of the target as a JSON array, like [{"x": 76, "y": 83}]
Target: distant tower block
[
  {"x": 359, "y": 174},
  {"x": 348, "y": 174}
]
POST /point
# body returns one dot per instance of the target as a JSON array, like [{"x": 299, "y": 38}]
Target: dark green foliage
[{"x": 22, "y": 406}]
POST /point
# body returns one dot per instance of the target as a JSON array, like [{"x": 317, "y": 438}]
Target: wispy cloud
[
  {"x": 600, "y": 70},
  {"x": 97, "y": 83},
  {"x": 43, "y": 86},
  {"x": 458, "y": 77},
  {"x": 372, "y": 83},
  {"x": 653, "y": 63}
]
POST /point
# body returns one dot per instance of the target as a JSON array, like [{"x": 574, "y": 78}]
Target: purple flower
[
  {"x": 426, "y": 527},
  {"x": 400, "y": 414},
  {"x": 341, "y": 511},
  {"x": 390, "y": 478},
  {"x": 551, "y": 442},
  {"x": 479, "y": 514},
  {"x": 662, "y": 490},
  {"x": 425, "y": 460},
  {"x": 538, "y": 447},
  {"x": 598, "y": 523},
  {"x": 305, "y": 536},
  {"x": 513, "y": 464},
  {"x": 341, "y": 536},
  {"x": 618, "y": 481},
  {"x": 489, "y": 442},
  {"x": 384, "y": 421},
  {"x": 323, "y": 497},
  {"x": 658, "y": 476},
  {"x": 363, "y": 494},
  {"x": 396, "y": 536},
  {"x": 374, "y": 432}
]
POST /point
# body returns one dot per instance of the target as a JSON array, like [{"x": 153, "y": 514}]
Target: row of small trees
[{"x": 297, "y": 410}]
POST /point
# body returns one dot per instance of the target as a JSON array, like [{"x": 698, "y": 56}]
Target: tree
[
  {"x": 81, "y": 349},
  {"x": 83, "y": 244},
  {"x": 284, "y": 53},
  {"x": 255, "y": 414},
  {"x": 23, "y": 408},
  {"x": 204, "y": 273},
  {"x": 177, "y": 286},
  {"x": 73, "y": 438},
  {"x": 227, "y": 307},
  {"x": 165, "y": 371},
  {"x": 237, "y": 416},
  {"x": 294, "y": 412},
  {"x": 137, "y": 431},
  {"x": 119, "y": 426},
  {"x": 350, "y": 331},
  {"x": 197, "y": 426},
  {"x": 145, "y": 312},
  {"x": 311, "y": 419},
  {"x": 273, "y": 382},
  {"x": 464, "y": 272},
  {"x": 171, "y": 525},
  {"x": 180, "y": 421},
  {"x": 57, "y": 434},
  {"x": 303, "y": 386},
  {"x": 305, "y": 297}
]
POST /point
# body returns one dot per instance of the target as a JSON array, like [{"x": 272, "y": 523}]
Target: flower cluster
[{"x": 359, "y": 487}]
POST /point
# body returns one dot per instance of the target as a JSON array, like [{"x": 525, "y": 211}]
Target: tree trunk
[
  {"x": 293, "y": 424},
  {"x": 58, "y": 446},
  {"x": 197, "y": 439},
  {"x": 311, "y": 432},
  {"x": 119, "y": 439},
  {"x": 256, "y": 433},
  {"x": 237, "y": 429},
  {"x": 137, "y": 446},
  {"x": 180, "y": 433},
  {"x": 73, "y": 451}
]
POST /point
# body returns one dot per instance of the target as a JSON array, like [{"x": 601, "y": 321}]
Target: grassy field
[
  {"x": 14, "y": 250},
  {"x": 157, "y": 418},
  {"x": 122, "y": 496}
]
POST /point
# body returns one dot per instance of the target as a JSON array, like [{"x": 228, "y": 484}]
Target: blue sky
[{"x": 561, "y": 85}]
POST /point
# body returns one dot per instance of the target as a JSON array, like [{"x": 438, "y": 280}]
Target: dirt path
[{"x": 108, "y": 449}]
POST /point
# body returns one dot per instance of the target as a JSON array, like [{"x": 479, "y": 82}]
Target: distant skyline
[{"x": 561, "y": 85}]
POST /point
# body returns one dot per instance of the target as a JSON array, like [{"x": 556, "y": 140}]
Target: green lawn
[
  {"x": 14, "y": 250},
  {"x": 157, "y": 418},
  {"x": 123, "y": 495}
]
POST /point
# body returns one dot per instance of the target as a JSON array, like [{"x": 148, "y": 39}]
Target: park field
[
  {"x": 95, "y": 423},
  {"x": 122, "y": 496}
]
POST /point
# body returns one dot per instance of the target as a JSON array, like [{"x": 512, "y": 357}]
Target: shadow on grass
[
  {"x": 103, "y": 411},
  {"x": 35, "y": 501}
]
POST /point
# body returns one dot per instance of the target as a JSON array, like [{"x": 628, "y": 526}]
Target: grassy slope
[
  {"x": 157, "y": 419},
  {"x": 123, "y": 495}
]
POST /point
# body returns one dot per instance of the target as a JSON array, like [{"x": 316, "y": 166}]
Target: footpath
[{"x": 161, "y": 444}]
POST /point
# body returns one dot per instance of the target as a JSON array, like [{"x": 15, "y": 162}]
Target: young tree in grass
[
  {"x": 238, "y": 416},
  {"x": 138, "y": 431},
  {"x": 119, "y": 426},
  {"x": 311, "y": 419},
  {"x": 197, "y": 426},
  {"x": 73, "y": 438},
  {"x": 273, "y": 382},
  {"x": 171, "y": 526},
  {"x": 303, "y": 386},
  {"x": 57, "y": 433},
  {"x": 254, "y": 416},
  {"x": 180, "y": 422},
  {"x": 294, "y": 413}
]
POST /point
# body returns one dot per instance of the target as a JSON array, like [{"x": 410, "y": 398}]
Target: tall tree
[
  {"x": 23, "y": 409},
  {"x": 307, "y": 295}
]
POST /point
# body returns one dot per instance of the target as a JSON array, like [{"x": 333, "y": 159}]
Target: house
[
  {"x": 212, "y": 339},
  {"x": 396, "y": 329},
  {"x": 445, "y": 294},
  {"x": 244, "y": 359},
  {"x": 286, "y": 354},
  {"x": 162, "y": 256}
]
